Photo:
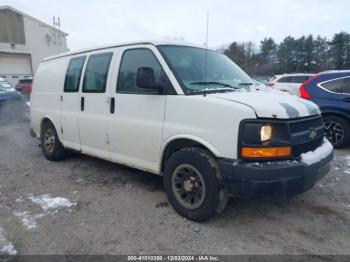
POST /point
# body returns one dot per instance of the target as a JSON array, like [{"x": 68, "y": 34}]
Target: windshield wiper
[
  {"x": 211, "y": 90},
  {"x": 212, "y": 83}
]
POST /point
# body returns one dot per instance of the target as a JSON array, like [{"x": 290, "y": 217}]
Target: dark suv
[{"x": 330, "y": 90}]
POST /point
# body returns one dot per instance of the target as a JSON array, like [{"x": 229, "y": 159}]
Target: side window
[
  {"x": 73, "y": 75},
  {"x": 299, "y": 79},
  {"x": 132, "y": 60},
  {"x": 337, "y": 85},
  {"x": 285, "y": 79},
  {"x": 96, "y": 73}
]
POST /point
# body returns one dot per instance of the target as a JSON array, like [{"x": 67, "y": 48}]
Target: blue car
[
  {"x": 330, "y": 90},
  {"x": 12, "y": 105}
]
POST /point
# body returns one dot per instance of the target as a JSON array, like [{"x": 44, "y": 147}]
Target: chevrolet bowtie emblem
[{"x": 312, "y": 134}]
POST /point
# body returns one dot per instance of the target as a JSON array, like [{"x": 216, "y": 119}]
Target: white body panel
[
  {"x": 142, "y": 126},
  {"x": 210, "y": 121},
  {"x": 45, "y": 103},
  {"x": 94, "y": 119},
  {"x": 136, "y": 131}
]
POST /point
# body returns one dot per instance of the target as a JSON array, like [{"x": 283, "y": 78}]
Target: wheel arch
[
  {"x": 335, "y": 113},
  {"x": 178, "y": 142},
  {"x": 46, "y": 119}
]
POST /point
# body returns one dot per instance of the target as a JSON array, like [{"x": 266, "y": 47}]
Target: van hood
[{"x": 272, "y": 104}]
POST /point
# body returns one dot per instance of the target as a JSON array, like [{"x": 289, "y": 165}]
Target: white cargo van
[{"x": 183, "y": 112}]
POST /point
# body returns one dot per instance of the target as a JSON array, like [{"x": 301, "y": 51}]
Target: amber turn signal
[{"x": 266, "y": 152}]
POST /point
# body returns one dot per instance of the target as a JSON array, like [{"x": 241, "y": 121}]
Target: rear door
[
  {"x": 70, "y": 103},
  {"x": 337, "y": 90},
  {"x": 94, "y": 101}
]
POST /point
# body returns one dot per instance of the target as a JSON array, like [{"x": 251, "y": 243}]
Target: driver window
[{"x": 132, "y": 60}]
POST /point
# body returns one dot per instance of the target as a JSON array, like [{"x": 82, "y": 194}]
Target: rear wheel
[
  {"x": 193, "y": 184},
  {"x": 50, "y": 144},
  {"x": 337, "y": 130}
]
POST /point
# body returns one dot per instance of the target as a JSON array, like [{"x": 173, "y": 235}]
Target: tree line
[{"x": 307, "y": 54}]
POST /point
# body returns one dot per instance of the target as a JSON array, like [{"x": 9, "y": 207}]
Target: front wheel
[
  {"x": 193, "y": 184},
  {"x": 337, "y": 130}
]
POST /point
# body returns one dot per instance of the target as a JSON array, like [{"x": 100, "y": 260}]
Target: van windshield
[{"x": 199, "y": 70}]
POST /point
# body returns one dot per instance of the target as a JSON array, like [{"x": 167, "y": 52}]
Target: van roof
[{"x": 149, "y": 42}]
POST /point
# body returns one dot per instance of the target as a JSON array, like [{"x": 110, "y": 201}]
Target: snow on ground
[
  {"x": 46, "y": 202},
  {"x": 6, "y": 247},
  {"x": 50, "y": 205},
  {"x": 29, "y": 221},
  {"x": 319, "y": 153}
]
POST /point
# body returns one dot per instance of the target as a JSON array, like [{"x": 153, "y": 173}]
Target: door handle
[
  {"x": 346, "y": 99},
  {"x": 112, "y": 105},
  {"x": 82, "y": 103}
]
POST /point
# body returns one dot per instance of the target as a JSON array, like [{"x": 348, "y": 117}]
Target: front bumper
[{"x": 271, "y": 179}]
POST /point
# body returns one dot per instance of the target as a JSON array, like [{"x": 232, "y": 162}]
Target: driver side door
[{"x": 137, "y": 114}]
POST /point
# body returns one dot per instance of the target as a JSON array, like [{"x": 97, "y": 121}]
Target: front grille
[
  {"x": 306, "y": 147},
  {"x": 302, "y": 139},
  {"x": 300, "y": 126}
]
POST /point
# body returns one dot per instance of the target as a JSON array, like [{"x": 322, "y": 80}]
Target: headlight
[
  {"x": 265, "y": 132},
  {"x": 264, "y": 139}
]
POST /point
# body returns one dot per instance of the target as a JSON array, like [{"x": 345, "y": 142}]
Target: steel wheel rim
[
  {"x": 49, "y": 140},
  {"x": 188, "y": 186},
  {"x": 334, "y": 132}
]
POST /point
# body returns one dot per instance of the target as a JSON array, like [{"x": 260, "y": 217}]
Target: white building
[{"x": 24, "y": 42}]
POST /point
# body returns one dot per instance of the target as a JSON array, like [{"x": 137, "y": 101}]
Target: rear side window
[
  {"x": 286, "y": 79},
  {"x": 299, "y": 79},
  {"x": 338, "y": 85},
  {"x": 96, "y": 73},
  {"x": 132, "y": 60},
  {"x": 71, "y": 83}
]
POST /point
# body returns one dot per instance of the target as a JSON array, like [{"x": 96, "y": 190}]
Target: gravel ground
[{"x": 99, "y": 207}]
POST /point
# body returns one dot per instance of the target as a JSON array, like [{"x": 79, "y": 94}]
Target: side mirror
[{"x": 145, "y": 79}]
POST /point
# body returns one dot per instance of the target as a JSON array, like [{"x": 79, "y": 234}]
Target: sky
[{"x": 92, "y": 23}]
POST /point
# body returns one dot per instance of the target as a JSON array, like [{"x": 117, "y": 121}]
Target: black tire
[
  {"x": 203, "y": 163},
  {"x": 53, "y": 149},
  {"x": 337, "y": 130}
]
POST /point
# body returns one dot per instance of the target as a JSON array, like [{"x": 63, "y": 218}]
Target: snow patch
[
  {"x": 46, "y": 202},
  {"x": 20, "y": 200},
  {"x": 28, "y": 221},
  {"x": 347, "y": 171},
  {"x": 319, "y": 153},
  {"x": 6, "y": 247}
]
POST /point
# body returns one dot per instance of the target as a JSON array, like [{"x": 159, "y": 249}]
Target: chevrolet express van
[{"x": 183, "y": 112}]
